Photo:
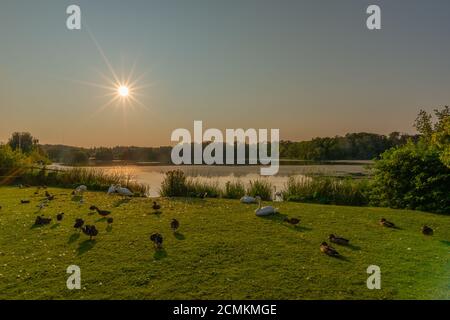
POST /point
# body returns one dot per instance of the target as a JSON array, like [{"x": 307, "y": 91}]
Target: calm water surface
[{"x": 154, "y": 175}]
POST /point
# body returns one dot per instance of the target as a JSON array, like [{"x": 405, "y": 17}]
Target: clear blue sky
[{"x": 310, "y": 68}]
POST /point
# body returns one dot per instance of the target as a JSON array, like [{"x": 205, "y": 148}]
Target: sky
[{"x": 309, "y": 68}]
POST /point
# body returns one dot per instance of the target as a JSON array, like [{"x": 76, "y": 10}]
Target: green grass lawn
[{"x": 222, "y": 251}]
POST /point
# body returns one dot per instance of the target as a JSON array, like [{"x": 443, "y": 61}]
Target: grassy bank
[{"x": 222, "y": 251}]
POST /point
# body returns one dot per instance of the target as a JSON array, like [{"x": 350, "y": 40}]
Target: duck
[
  {"x": 78, "y": 223},
  {"x": 328, "y": 250},
  {"x": 40, "y": 220},
  {"x": 338, "y": 240},
  {"x": 103, "y": 213},
  {"x": 248, "y": 199},
  {"x": 175, "y": 224},
  {"x": 387, "y": 224},
  {"x": 265, "y": 211},
  {"x": 426, "y": 230},
  {"x": 157, "y": 239},
  {"x": 124, "y": 191},
  {"x": 60, "y": 216},
  {"x": 90, "y": 231},
  {"x": 293, "y": 221},
  {"x": 80, "y": 190},
  {"x": 278, "y": 195},
  {"x": 24, "y": 201},
  {"x": 156, "y": 206},
  {"x": 112, "y": 189}
]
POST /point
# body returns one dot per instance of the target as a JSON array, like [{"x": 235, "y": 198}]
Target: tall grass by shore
[
  {"x": 94, "y": 179},
  {"x": 324, "y": 190},
  {"x": 327, "y": 190}
]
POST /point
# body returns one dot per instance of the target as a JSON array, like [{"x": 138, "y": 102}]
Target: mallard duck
[
  {"x": 328, "y": 250},
  {"x": 90, "y": 231},
  {"x": 40, "y": 220},
  {"x": 174, "y": 225},
  {"x": 156, "y": 206},
  {"x": 338, "y": 240},
  {"x": 157, "y": 239},
  {"x": 60, "y": 216},
  {"x": 293, "y": 221},
  {"x": 103, "y": 213},
  {"x": 24, "y": 201},
  {"x": 385, "y": 223},
  {"x": 78, "y": 223},
  {"x": 426, "y": 230}
]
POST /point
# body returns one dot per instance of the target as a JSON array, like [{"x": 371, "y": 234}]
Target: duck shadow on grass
[
  {"x": 109, "y": 228},
  {"x": 279, "y": 217},
  {"x": 55, "y": 225},
  {"x": 160, "y": 254},
  {"x": 446, "y": 242},
  {"x": 101, "y": 219},
  {"x": 342, "y": 258},
  {"x": 85, "y": 246},
  {"x": 179, "y": 236},
  {"x": 76, "y": 198},
  {"x": 74, "y": 237},
  {"x": 120, "y": 202},
  {"x": 353, "y": 247}
]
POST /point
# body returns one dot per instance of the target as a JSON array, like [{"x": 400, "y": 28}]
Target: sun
[{"x": 123, "y": 91}]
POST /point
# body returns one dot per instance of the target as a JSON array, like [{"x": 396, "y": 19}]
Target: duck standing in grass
[
  {"x": 78, "y": 224},
  {"x": 156, "y": 206},
  {"x": 40, "y": 221},
  {"x": 328, "y": 250},
  {"x": 60, "y": 216},
  {"x": 339, "y": 240},
  {"x": 157, "y": 239},
  {"x": 426, "y": 230},
  {"x": 292, "y": 221},
  {"x": 90, "y": 231},
  {"x": 103, "y": 213},
  {"x": 174, "y": 225},
  {"x": 264, "y": 211},
  {"x": 24, "y": 201},
  {"x": 387, "y": 224}
]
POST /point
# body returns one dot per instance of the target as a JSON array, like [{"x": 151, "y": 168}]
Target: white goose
[
  {"x": 265, "y": 211},
  {"x": 80, "y": 190},
  {"x": 124, "y": 191},
  {"x": 247, "y": 199},
  {"x": 112, "y": 189}
]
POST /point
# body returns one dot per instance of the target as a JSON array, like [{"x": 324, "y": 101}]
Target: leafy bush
[
  {"x": 413, "y": 177},
  {"x": 327, "y": 190},
  {"x": 261, "y": 188},
  {"x": 234, "y": 190}
]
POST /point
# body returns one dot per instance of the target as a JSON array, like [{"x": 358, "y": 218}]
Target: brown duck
[
  {"x": 328, "y": 250},
  {"x": 387, "y": 224},
  {"x": 175, "y": 224},
  {"x": 426, "y": 230},
  {"x": 338, "y": 240}
]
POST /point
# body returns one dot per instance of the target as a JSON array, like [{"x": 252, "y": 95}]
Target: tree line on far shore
[{"x": 353, "y": 146}]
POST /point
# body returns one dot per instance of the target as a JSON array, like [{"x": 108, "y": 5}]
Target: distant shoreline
[{"x": 283, "y": 162}]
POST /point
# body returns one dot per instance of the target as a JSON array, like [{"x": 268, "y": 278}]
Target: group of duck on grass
[
  {"x": 324, "y": 247},
  {"x": 157, "y": 238}
]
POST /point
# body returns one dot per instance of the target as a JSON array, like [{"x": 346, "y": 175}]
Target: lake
[{"x": 154, "y": 175}]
